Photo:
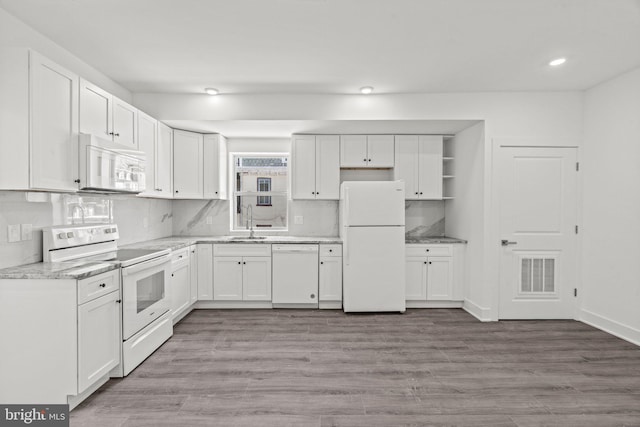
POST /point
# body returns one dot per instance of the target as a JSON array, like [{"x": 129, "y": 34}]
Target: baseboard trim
[
  {"x": 610, "y": 326},
  {"x": 434, "y": 304},
  {"x": 480, "y": 313},
  {"x": 232, "y": 304},
  {"x": 75, "y": 400}
]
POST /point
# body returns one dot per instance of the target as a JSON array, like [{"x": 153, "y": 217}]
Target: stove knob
[
  {"x": 107, "y": 230},
  {"x": 62, "y": 235},
  {"x": 70, "y": 234},
  {"x": 114, "y": 230}
]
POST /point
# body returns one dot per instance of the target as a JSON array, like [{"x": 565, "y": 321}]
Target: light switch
[
  {"x": 298, "y": 220},
  {"x": 13, "y": 233},
  {"x": 26, "y": 231}
]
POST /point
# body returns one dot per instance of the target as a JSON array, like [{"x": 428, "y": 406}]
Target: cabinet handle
[
  {"x": 421, "y": 193},
  {"x": 103, "y": 285},
  {"x": 321, "y": 262},
  {"x": 179, "y": 256},
  {"x": 216, "y": 192},
  {"x": 317, "y": 193},
  {"x": 369, "y": 159},
  {"x": 429, "y": 262},
  {"x": 171, "y": 274},
  {"x": 77, "y": 181},
  {"x": 427, "y": 250},
  {"x": 313, "y": 192},
  {"x": 330, "y": 250},
  {"x": 110, "y": 133},
  {"x": 239, "y": 263},
  {"x": 425, "y": 262},
  {"x": 158, "y": 189},
  {"x": 416, "y": 192},
  {"x": 176, "y": 191},
  {"x": 364, "y": 160},
  {"x": 244, "y": 262},
  {"x": 116, "y": 134},
  {"x": 313, "y": 296},
  {"x": 118, "y": 301}
]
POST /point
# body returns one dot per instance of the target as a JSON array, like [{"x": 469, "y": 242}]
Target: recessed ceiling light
[
  {"x": 366, "y": 90},
  {"x": 211, "y": 91},
  {"x": 558, "y": 61}
]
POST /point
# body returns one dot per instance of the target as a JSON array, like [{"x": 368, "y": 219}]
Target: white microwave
[{"x": 106, "y": 166}]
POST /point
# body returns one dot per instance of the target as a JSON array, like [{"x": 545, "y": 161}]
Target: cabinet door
[
  {"x": 147, "y": 135},
  {"x": 416, "y": 278},
  {"x": 98, "y": 339},
  {"x": 205, "y": 272},
  {"x": 380, "y": 151},
  {"x": 330, "y": 287},
  {"x": 353, "y": 151},
  {"x": 439, "y": 279},
  {"x": 227, "y": 278},
  {"x": 327, "y": 167},
  {"x": 125, "y": 124},
  {"x": 430, "y": 167},
  {"x": 164, "y": 162},
  {"x": 54, "y": 126},
  {"x": 180, "y": 288},
  {"x": 214, "y": 170},
  {"x": 193, "y": 281},
  {"x": 406, "y": 168},
  {"x": 96, "y": 106},
  {"x": 303, "y": 164},
  {"x": 256, "y": 278},
  {"x": 187, "y": 165}
]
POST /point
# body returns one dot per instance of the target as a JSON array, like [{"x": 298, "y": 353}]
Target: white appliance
[
  {"x": 373, "y": 239},
  {"x": 106, "y": 166},
  {"x": 144, "y": 276},
  {"x": 295, "y": 275}
]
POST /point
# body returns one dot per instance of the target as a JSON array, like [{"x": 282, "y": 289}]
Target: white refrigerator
[{"x": 372, "y": 232}]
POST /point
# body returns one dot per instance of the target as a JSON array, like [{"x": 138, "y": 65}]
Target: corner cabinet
[
  {"x": 38, "y": 123},
  {"x": 315, "y": 167},
  {"x": 214, "y": 167},
  {"x": 434, "y": 275},
  {"x": 367, "y": 151},
  {"x": 419, "y": 160},
  {"x": 187, "y": 165}
]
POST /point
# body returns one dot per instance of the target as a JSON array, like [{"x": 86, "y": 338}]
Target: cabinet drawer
[
  {"x": 233, "y": 249},
  {"x": 429, "y": 250},
  {"x": 93, "y": 287},
  {"x": 180, "y": 255},
  {"x": 330, "y": 250}
]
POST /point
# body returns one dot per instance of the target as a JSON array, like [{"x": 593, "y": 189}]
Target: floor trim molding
[
  {"x": 610, "y": 326},
  {"x": 480, "y": 313}
]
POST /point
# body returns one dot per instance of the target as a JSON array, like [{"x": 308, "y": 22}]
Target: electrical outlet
[
  {"x": 298, "y": 220},
  {"x": 209, "y": 220},
  {"x": 13, "y": 233},
  {"x": 26, "y": 231}
]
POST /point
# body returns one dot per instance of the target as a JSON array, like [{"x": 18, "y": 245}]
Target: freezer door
[
  {"x": 367, "y": 203},
  {"x": 373, "y": 269}
]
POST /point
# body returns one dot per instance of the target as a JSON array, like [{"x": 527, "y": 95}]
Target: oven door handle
[{"x": 126, "y": 271}]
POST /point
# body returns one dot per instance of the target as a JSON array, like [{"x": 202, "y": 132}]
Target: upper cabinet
[
  {"x": 316, "y": 167},
  {"x": 187, "y": 165},
  {"x": 419, "y": 162},
  {"x": 367, "y": 151},
  {"x": 38, "y": 123},
  {"x": 106, "y": 116},
  {"x": 147, "y": 140},
  {"x": 215, "y": 167},
  {"x": 163, "y": 162}
]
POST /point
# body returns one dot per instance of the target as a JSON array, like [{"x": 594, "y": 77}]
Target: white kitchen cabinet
[
  {"x": 242, "y": 272},
  {"x": 330, "y": 277},
  {"x": 54, "y": 126},
  {"x": 315, "y": 167},
  {"x": 193, "y": 268},
  {"x": 434, "y": 273},
  {"x": 367, "y": 151},
  {"x": 204, "y": 254},
  {"x": 419, "y": 160},
  {"x": 107, "y": 116},
  {"x": 215, "y": 167},
  {"x": 187, "y": 165},
  {"x": 180, "y": 283},
  {"x": 164, "y": 162},
  {"x": 147, "y": 140},
  {"x": 98, "y": 339},
  {"x": 38, "y": 123}
]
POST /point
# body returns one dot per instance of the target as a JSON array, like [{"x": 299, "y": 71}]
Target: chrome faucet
[{"x": 250, "y": 220}]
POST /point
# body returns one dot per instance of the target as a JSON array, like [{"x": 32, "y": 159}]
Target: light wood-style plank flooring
[{"x": 326, "y": 368}]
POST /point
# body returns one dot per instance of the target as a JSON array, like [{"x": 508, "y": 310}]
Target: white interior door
[{"x": 538, "y": 214}]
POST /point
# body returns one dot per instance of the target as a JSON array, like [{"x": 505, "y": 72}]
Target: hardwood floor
[{"x": 326, "y": 368}]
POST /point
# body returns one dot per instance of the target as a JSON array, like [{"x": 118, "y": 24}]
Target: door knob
[{"x": 505, "y": 242}]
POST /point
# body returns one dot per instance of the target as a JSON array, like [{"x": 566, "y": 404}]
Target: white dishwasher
[{"x": 295, "y": 275}]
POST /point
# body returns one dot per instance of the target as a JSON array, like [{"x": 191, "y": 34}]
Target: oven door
[{"x": 144, "y": 294}]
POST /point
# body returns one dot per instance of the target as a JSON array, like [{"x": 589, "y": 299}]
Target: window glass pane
[{"x": 267, "y": 217}]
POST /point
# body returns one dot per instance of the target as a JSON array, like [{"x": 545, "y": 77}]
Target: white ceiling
[{"x": 337, "y": 46}]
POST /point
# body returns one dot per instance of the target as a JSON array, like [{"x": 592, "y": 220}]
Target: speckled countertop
[
  {"x": 175, "y": 243},
  {"x": 434, "y": 240},
  {"x": 58, "y": 270}
]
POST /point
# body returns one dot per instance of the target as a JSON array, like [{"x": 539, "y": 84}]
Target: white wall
[
  {"x": 15, "y": 33},
  {"x": 465, "y": 216},
  {"x": 610, "y": 295}
]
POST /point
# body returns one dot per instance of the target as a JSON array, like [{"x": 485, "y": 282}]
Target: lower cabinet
[
  {"x": 193, "y": 267},
  {"x": 434, "y": 273},
  {"x": 242, "y": 272},
  {"x": 330, "y": 276},
  {"x": 180, "y": 288},
  {"x": 204, "y": 255}
]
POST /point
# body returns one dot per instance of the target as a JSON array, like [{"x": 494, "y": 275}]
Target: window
[
  {"x": 260, "y": 191},
  {"x": 264, "y": 184}
]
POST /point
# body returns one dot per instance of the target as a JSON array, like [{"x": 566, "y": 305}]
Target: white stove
[{"x": 144, "y": 277}]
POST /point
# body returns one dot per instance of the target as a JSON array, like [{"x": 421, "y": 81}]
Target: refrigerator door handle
[
  {"x": 345, "y": 244},
  {"x": 346, "y": 209}
]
